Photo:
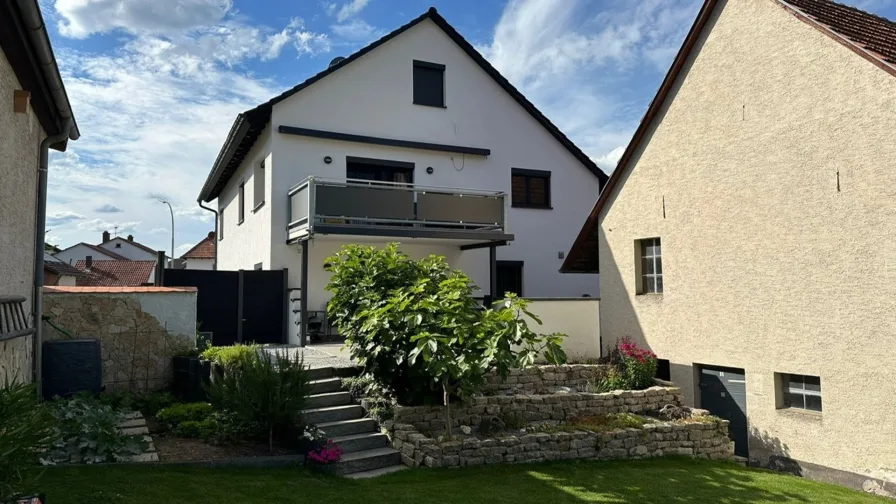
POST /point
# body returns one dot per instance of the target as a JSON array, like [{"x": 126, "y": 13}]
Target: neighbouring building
[
  {"x": 117, "y": 248},
  {"x": 748, "y": 234},
  {"x": 415, "y": 138},
  {"x": 60, "y": 273},
  {"x": 202, "y": 255},
  {"x": 102, "y": 273},
  {"x": 33, "y": 106}
]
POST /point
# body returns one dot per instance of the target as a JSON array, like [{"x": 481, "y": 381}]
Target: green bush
[
  {"x": 229, "y": 356},
  {"x": 175, "y": 415},
  {"x": 204, "y": 429},
  {"x": 392, "y": 310},
  {"x": 26, "y": 429},
  {"x": 147, "y": 403},
  {"x": 87, "y": 431},
  {"x": 631, "y": 368},
  {"x": 265, "y": 393}
]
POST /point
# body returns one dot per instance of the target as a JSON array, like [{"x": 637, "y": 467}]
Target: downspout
[
  {"x": 215, "y": 265},
  {"x": 37, "y": 300}
]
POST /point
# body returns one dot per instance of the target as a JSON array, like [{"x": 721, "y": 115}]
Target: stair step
[
  {"x": 376, "y": 472},
  {"x": 326, "y": 385},
  {"x": 348, "y": 427},
  {"x": 320, "y": 373},
  {"x": 328, "y": 414},
  {"x": 328, "y": 399},
  {"x": 366, "y": 460},
  {"x": 361, "y": 442}
]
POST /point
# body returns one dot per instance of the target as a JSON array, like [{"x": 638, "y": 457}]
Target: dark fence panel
[
  {"x": 264, "y": 306},
  {"x": 217, "y": 302}
]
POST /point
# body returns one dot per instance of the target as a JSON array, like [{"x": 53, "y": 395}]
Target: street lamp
[{"x": 172, "y": 226}]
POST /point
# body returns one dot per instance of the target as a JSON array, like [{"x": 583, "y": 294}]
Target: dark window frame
[
  {"x": 653, "y": 259},
  {"x": 798, "y": 392},
  {"x": 517, "y": 265},
  {"x": 528, "y": 175},
  {"x": 221, "y": 224},
  {"x": 387, "y": 165},
  {"x": 418, "y": 95},
  {"x": 241, "y": 215}
]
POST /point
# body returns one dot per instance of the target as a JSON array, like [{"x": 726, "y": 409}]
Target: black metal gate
[
  {"x": 237, "y": 306},
  {"x": 723, "y": 391}
]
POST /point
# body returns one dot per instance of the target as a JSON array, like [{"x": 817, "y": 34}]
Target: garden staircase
[{"x": 366, "y": 451}]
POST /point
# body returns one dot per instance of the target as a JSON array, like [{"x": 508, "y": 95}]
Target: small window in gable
[
  {"x": 258, "y": 185},
  {"x": 429, "y": 84},
  {"x": 530, "y": 188},
  {"x": 242, "y": 204},
  {"x": 221, "y": 224}
]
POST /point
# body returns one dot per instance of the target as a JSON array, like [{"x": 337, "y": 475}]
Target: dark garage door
[{"x": 723, "y": 391}]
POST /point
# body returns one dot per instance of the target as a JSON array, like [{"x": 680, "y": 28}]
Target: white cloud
[
  {"x": 100, "y": 225},
  {"x": 63, "y": 217},
  {"x": 355, "y": 30},
  {"x": 81, "y": 18},
  {"x": 159, "y": 230},
  {"x": 108, "y": 208},
  {"x": 311, "y": 43},
  {"x": 351, "y": 9},
  {"x": 181, "y": 249},
  {"x": 196, "y": 213},
  {"x": 577, "y": 67}
]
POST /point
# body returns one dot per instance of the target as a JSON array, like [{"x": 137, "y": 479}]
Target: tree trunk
[{"x": 447, "y": 399}]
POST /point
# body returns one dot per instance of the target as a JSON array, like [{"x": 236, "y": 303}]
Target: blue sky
[{"x": 155, "y": 85}]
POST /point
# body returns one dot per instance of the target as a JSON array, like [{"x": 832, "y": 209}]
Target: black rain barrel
[{"x": 72, "y": 366}]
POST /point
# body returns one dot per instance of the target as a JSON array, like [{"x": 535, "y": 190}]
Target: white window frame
[
  {"x": 655, "y": 260},
  {"x": 258, "y": 186}
]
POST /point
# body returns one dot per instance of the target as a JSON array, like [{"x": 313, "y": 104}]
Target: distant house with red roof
[
  {"x": 116, "y": 273},
  {"x": 202, "y": 255},
  {"x": 118, "y": 248}
]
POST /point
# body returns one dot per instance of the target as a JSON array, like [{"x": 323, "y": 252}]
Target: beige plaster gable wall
[{"x": 768, "y": 265}]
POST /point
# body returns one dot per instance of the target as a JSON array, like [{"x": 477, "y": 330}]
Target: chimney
[
  {"x": 89, "y": 261},
  {"x": 130, "y": 237},
  {"x": 106, "y": 236},
  {"x": 211, "y": 236}
]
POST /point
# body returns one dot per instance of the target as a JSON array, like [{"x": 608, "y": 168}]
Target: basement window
[
  {"x": 429, "y": 84},
  {"x": 800, "y": 392},
  {"x": 650, "y": 266}
]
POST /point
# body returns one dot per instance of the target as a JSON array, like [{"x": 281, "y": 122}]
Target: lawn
[{"x": 647, "y": 481}]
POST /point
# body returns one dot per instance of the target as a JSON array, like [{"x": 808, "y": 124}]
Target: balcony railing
[{"x": 392, "y": 209}]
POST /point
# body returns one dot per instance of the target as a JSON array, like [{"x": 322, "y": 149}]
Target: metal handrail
[{"x": 400, "y": 186}]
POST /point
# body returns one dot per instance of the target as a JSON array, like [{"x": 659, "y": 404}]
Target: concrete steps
[{"x": 365, "y": 450}]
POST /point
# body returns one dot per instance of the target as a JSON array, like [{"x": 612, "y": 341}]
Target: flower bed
[{"x": 708, "y": 439}]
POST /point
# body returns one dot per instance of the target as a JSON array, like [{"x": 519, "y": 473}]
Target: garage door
[{"x": 723, "y": 391}]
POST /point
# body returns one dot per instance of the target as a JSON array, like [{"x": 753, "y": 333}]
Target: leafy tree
[{"x": 26, "y": 430}]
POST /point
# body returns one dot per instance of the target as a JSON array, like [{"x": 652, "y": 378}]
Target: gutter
[
  {"x": 215, "y": 265},
  {"x": 44, "y": 57},
  {"x": 37, "y": 299}
]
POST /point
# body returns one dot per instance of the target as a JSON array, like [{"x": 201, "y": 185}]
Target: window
[
  {"x": 258, "y": 266},
  {"x": 800, "y": 392},
  {"x": 509, "y": 278},
  {"x": 530, "y": 188},
  {"x": 651, "y": 274},
  {"x": 429, "y": 84},
  {"x": 221, "y": 224},
  {"x": 242, "y": 204},
  {"x": 258, "y": 186},
  {"x": 117, "y": 245},
  {"x": 380, "y": 170}
]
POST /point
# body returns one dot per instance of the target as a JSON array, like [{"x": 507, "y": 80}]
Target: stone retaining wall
[
  {"x": 534, "y": 408},
  {"x": 707, "y": 439},
  {"x": 536, "y": 379}
]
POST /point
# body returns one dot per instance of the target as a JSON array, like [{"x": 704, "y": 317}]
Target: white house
[
  {"x": 464, "y": 166},
  {"x": 110, "y": 249},
  {"x": 202, "y": 255}
]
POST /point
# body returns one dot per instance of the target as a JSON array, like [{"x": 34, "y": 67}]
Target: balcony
[{"x": 320, "y": 206}]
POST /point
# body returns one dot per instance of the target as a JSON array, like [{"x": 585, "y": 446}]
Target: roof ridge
[{"x": 207, "y": 238}]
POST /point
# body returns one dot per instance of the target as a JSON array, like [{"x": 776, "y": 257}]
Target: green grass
[{"x": 671, "y": 480}]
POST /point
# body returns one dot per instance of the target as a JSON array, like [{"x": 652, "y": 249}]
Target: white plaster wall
[
  {"x": 249, "y": 243},
  {"x": 20, "y": 136},
  {"x": 175, "y": 311},
  {"x": 578, "y": 318},
  {"x": 128, "y": 250},
  {"x": 67, "y": 281},
  {"x": 768, "y": 265},
  {"x": 200, "y": 264},
  {"x": 80, "y": 252},
  {"x": 373, "y": 96}
]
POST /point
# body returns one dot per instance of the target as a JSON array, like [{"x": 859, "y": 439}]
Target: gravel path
[{"x": 314, "y": 358}]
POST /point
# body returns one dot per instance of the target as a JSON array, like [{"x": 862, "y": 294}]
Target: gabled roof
[
  {"x": 101, "y": 250},
  {"x": 205, "y": 249},
  {"x": 249, "y": 124},
  {"x": 132, "y": 242},
  {"x": 870, "y": 36},
  {"x": 116, "y": 273}
]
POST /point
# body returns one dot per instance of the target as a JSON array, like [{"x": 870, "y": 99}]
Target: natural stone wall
[
  {"x": 707, "y": 438},
  {"x": 15, "y": 360},
  {"x": 139, "y": 332},
  {"x": 533, "y": 408},
  {"x": 537, "y": 379}
]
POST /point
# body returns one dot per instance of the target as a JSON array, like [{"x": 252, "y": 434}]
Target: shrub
[
  {"x": 87, "y": 431},
  {"x": 175, "y": 415},
  {"x": 330, "y": 453},
  {"x": 26, "y": 429},
  {"x": 265, "y": 393},
  {"x": 204, "y": 429},
  {"x": 631, "y": 368},
  {"x": 229, "y": 356},
  {"x": 148, "y": 403}
]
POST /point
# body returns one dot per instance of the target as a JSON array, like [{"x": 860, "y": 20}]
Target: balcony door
[
  {"x": 510, "y": 278},
  {"x": 379, "y": 170}
]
